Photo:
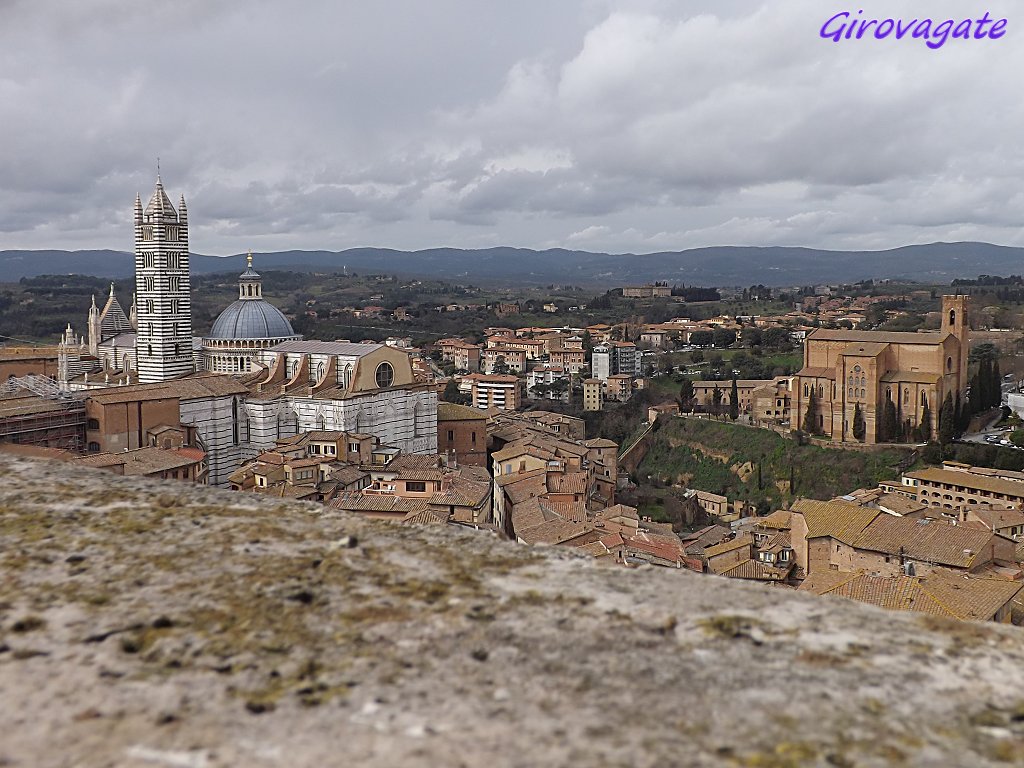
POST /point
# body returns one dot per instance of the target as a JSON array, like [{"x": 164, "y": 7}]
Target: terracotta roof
[
  {"x": 144, "y": 461},
  {"x": 573, "y": 511},
  {"x": 899, "y": 504},
  {"x": 660, "y": 549},
  {"x": 756, "y": 570},
  {"x": 999, "y": 519},
  {"x": 881, "y": 337},
  {"x": 744, "y": 540},
  {"x": 924, "y": 540},
  {"x": 817, "y": 373},
  {"x": 455, "y": 412},
  {"x": 360, "y": 502},
  {"x": 426, "y": 517},
  {"x": 709, "y": 536},
  {"x": 530, "y": 513},
  {"x": 600, "y": 442},
  {"x": 571, "y": 482},
  {"x": 553, "y": 532},
  {"x": 841, "y": 520},
  {"x": 939, "y": 594},
  {"x": 779, "y": 519},
  {"x": 864, "y": 349},
  {"x": 911, "y": 377}
]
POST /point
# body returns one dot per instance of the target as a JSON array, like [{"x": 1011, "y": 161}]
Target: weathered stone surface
[{"x": 148, "y": 624}]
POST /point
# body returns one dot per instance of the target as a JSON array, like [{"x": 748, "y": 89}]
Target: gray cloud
[{"x": 602, "y": 124}]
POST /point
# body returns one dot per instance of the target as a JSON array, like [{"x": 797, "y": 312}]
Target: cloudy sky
[{"x": 595, "y": 124}]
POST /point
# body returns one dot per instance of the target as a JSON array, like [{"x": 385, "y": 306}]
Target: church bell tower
[{"x": 163, "y": 341}]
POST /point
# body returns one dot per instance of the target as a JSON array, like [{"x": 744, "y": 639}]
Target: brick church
[{"x": 845, "y": 368}]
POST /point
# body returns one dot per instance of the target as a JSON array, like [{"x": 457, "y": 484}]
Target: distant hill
[{"x": 720, "y": 265}]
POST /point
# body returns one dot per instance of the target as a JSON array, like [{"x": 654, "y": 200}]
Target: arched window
[
  {"x": 821, "y": 391},
  {"x": 952, "y": 317},
  {"x": 906, "y": 394},
  {"x": 849, "y": 380},
  {"x": 888, "y": 393},
  {"x": 149, "y": 350},
  {"x": 321, "y": 423},
  {"x": 806, "y": 391},
  {"x": 924, "y": 399},
  {"x": 949, "y": 365},
  {"x": 849, "y": 392},
  {"x": 385, "y": 375},
  {"x": 234, "y": 421},
  {"x": 94, "y": 447},
  {"x": 92, "y": 424}
]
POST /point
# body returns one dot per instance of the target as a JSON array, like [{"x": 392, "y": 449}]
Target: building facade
[
  {"x": 163, "y": 342},
  {"x": 915, "y": 371}
]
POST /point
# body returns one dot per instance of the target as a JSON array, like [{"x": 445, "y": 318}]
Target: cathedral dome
[{"x": 251, "y": 319}]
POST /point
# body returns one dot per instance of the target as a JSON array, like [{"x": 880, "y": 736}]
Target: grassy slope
[{"x": 820, "y": 473}]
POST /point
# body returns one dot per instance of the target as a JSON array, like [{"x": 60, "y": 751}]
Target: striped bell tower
[{"x": 163, "y": 341}]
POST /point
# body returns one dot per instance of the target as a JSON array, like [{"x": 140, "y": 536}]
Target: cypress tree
[
  {"x": 892, "y": 422},
  {"x": 985, "y": 384},
  {"x": 926, "y": 423},
  {"x": 997, "y": 384},
  {"x": 734, "y": 400},
  {"x": 859, "y": 427},
  {"x": 946, "y": 418},
  {"x": 686, "y": 395},
  {"x": 810, "y": 424}
]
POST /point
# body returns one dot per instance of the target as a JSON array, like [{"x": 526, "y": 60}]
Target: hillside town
[{"x": 508, "y": 434}]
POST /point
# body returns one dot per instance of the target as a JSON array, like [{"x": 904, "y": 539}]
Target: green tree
[
  {"x": 716, "y": 401},
  {"x": 701, "y": 338},
  {"x": 997, "y": 384},
  {"x": 947, "y": 418},
  {"x": 859, "y": 427},
  {"x": 453, "y": 395},
  {"x": 892, "y": 422},
  {"x": 926, "y": 423},
  {"x": 734, "y": 401},
  {"x": 588, "y": 344},
  {"x": 810, "y": 422},
  {"x": 723, "y": 337},
  {"x": 686, "y": 395}
]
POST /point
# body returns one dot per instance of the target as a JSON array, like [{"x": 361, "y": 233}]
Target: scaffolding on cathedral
[{"x": 35, "y": 411}]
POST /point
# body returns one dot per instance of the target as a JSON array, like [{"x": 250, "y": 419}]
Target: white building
[
  {"x": 248, "y": 326},
  {"x": 281, "y": 385},
  {"x": 333, "y": 385},
  {"x": 601, "y": 363},
  {"x": 163, "y": 342}
]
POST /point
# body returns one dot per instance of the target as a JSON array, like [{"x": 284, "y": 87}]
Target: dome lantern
[{"x": 250, "y": 284}]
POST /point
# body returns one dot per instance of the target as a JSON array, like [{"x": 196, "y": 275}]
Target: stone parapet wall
[{"x": 147, "y": 623}]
